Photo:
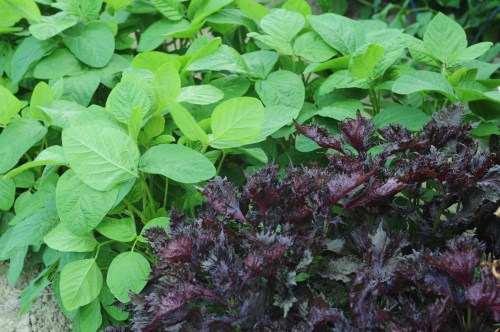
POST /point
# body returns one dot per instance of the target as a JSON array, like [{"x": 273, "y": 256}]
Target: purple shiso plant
[{"x": 394, "y": 234}]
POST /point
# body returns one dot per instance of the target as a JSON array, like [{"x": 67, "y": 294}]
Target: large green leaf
[
  {"x": 124, "y": 98},
  {"x": 260, "y": 63},
  {"x": 225, "y": 58},
  {"x": 199, "y": 10},
  {"x": 128, "y": 271},
  {"x": 26, "y": 8},
  {"x": 80, "y": 284},
  {"x": 88, "y": 318},
  {"x": 157, "y": 32},
  {"x": 122, "y": 230},
  {"x": 16, "y": 139},
  {"x": 60, "y": 63},
  {"x": 29, "y": 51},
  {"x": 421, "y": 81},
  {"x": 7, "y": 193},
  {"x": 281, "y": 88},
  {"x": 171, "y": 9},
  {"x": 237, "y": 122},
  {"x": 52, "y": 25},
  {"x": 341, "y": 109},
  {"x": 9, "y": 106},
  {"x": 341, "y": 33},
  {"x": 61, "y": 239},
  {"x": 178, "y": 163},
  {"x": 186, "y": 123},
  {"x": 364, "y": 62},
  {"x": 166, "y": 83},
  {"x": 277, "y": 117},
  {"x": 53, "y": 155},
  {"x": 408, "y": 117},
  {"x": 101, "y": 156},
  {"x": 200, "y": 94},
  {"x": 93, "y": 43},
  {"x": 62, "y": 112},
  {"x": 80, "y": 207},
  {"x": 312, "y": 47},
  {"x": 80, "y": 89},
  {"x": 32, "y": 229},
  {"x": 444, "y": 37},
  {"x": 282, "y": 23}
]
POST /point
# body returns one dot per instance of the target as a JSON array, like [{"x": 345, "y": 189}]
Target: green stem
[
  {"x": 133, "y": 246},
  {"x": 219, "y": 167},
  {"x": 133, "y": 209},
  {"x": 99, "y": 247},
  {"x": 165, "y": 194}
]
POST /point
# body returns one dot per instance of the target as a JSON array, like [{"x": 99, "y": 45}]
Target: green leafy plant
[{"x": 116, "y": 111}]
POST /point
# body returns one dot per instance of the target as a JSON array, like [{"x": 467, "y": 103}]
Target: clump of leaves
[{"x": 383, "y": 230}]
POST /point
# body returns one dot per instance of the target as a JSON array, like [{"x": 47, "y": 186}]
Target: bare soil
[{"x": 44, "y": 316}]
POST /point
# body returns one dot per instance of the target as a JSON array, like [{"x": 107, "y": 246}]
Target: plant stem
[
  {"x": 165, "y": 194},
  {"x": 219, "y": 167}
]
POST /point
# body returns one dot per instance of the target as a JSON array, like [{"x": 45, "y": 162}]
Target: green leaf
[
  {"x": 16, "y": 264},
  {"x": 61, "y": 239},
  {"x": 80, "y": 89},
  {"x": 33, "y": 290},
  {"x": 277, "y": 117},
  {"x": 364, "y": 62},
  {"x": 281, "y": 88},
  {"x": 88, "y": 318},
  {"x": 154, "y": 126},
  {"x": 28, "y": 52},
  {"x": 61, "y": 113},
  {"x": 341, "y": 109},
  {"x": 80, "y": 207},
  {"x": 32, "y": 229},
  {"x": 166, "y": 83},
  {"x": 7, "y": 193},
  {"x": 53, "y": 155},
  {"x": 52, "y": 25},
  {"x": 279, "y": 44},
  {"x": 157, "y": 32},
  {"x": 200, "y": 94},
  {"x": 41, "y": 96},
  {"x": 60, "y": 63},
  {"x": 163, "y": 222},
  {"x": 233, "y": 86},
  {"x": 80, "y": 284},
  {"x": 178, "y": 163},
  {"x": 122, "y": 230},
  {"x": 470, "y": 53},
  {"x": 118, "y": 4},
  {"x": 135, "y": 123},
  {"x": 485, "y": 129},
  {"x": 9, "y": 106},
  {"x": 126, "y": 97},
  {"x": 444, "y": 38},
  {"x": 26, "y": 8},
  {"x": 421, "y": 81},
  {"x": 171, "y": 9},
  {"x": 225, "y": 58},
  {"x": 298, "y": 6},
  {"x": 253, "y": 9},
  {"x": 93, "y": 43},
  {"x": 410, "y": 118},
  {"x": 186, "y": 123},
  {"x": 128, "y": 271},
  {"x": 260, "y": 63},
  {"x": 101, "y": 156},
  {"x": 341, "y": 33},
  {"x": 282, "y": 23},
  {"x": 199, "y": 10},
  {"x": 237, "y": 122},
  {"x": 16, "y": 139},
  {"x": 311, "y": 46},
  {"x": 107, "y": 301}
]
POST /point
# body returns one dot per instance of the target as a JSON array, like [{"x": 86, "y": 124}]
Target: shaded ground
[{"x": 45, "y": 316}]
